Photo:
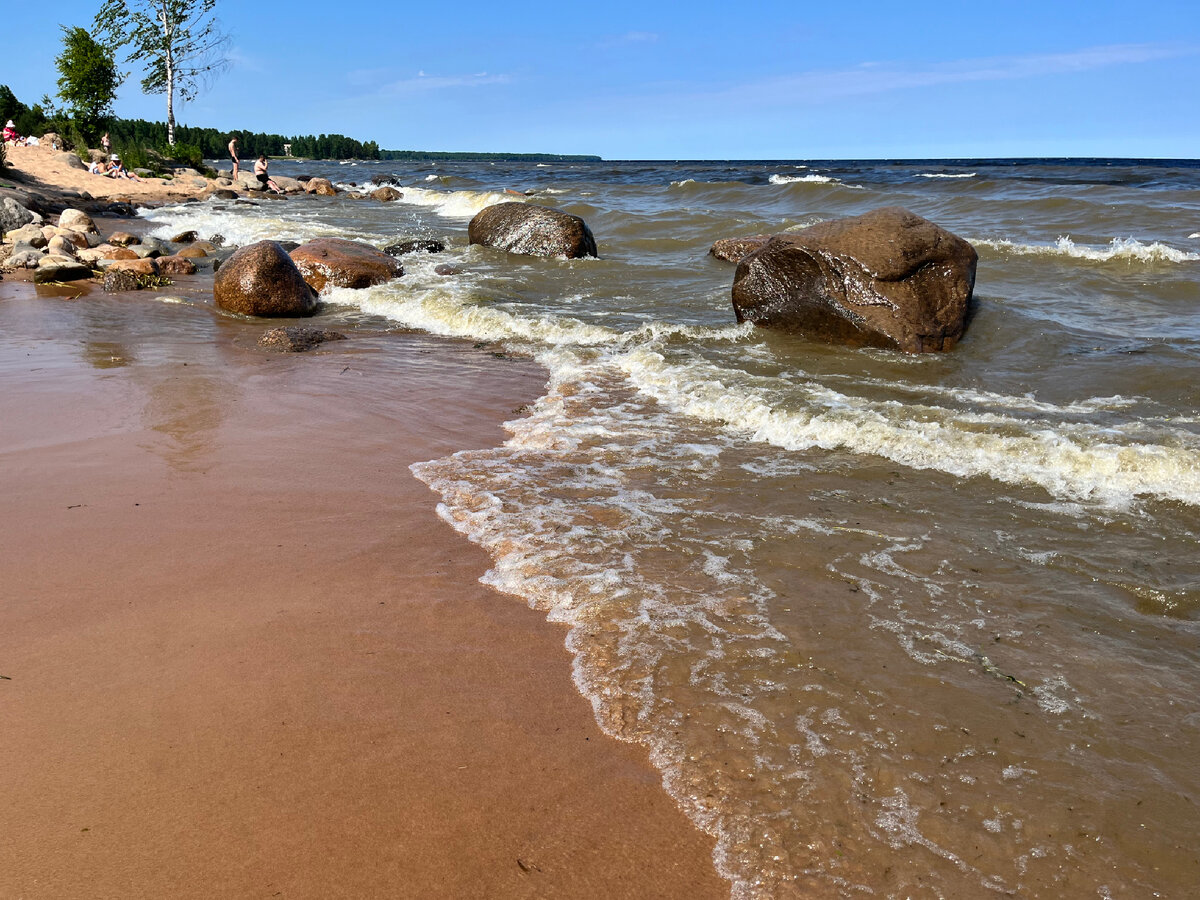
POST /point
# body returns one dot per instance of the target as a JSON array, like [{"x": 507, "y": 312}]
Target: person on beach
[
  {"x": 233, "y": 148},
  {"x": 10, "y": 134},
  {"x": 117, "y": 169},
  {"x": 99, "y": 168},
  {"x": 265, "y": 181},
  {"x": 106, "y": 144}
]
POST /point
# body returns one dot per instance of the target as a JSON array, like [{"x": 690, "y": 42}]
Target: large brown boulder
[
  {"x": 888, "y": 278},
  {"x": 320, "y": 186},
  {"x": 333, "y": 261},
  {"x": 733, "y": 249},
  {"x": 532, "y": 230},
  {"x": 261, "y": 280},
  {"x": 386, "y": 194}
]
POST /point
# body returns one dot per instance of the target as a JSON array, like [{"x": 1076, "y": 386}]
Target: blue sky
[{"x": 688, "y": 81}]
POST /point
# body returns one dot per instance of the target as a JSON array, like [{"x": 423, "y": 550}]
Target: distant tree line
[
  {"x": 211, "y": 143},
  {"x": 214, "y": 144},
  {"x": 472, "y": 157}
]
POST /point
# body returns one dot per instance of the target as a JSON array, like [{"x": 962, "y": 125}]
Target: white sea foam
[
  {"x": 945, "y": 175},
  {"x": 456, "y": 204},
  {"x": 241, "y": 225},
  {"x": 1119, "y": 249},
  {"x": 1073, "y": 461},
  {"x": 802, "y": 179}
]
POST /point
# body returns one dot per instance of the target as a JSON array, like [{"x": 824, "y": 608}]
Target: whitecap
[{"x": 1119, "y": 249}]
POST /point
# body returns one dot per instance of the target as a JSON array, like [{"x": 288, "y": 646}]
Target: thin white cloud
[
  {"x": 629, "y": 37},
  {"x": 879, "y": 77},
  {"x": 426, "y": 82},
  {"x": 239, "y": 59}
]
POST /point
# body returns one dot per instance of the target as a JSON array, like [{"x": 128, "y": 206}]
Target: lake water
[{"x": 889, "y": 625}]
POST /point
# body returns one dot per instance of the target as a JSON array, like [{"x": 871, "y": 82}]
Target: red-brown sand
[{"x": 242, "y": 655}]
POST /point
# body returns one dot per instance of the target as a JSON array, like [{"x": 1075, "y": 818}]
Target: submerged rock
[
  {"x": 532, "y": 230},
  {"x": 386, "y": 194},
  {"x": 341, "y": 263},
  {"x": 414, "y": 245},
  {"x": 297, "y": 338},
  {"x": 888, "y": 278},
  {"x": 261, "y": 280}
]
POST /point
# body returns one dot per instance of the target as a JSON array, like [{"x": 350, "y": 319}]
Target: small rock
[
  {"x": 297, "y": 338},
  {"x": 386, "y": 194},
  {"x": 61, "y": 269},
  {"x": 192, "y": 252},
  {"x": 77, "y": 220},
  {"x": 118, "y": 281},
  {"x": 414, "y": 245},
  {"x": 176, "y": 265},
  {"x": 123, "y": 238},
  {"x": 446, "y": 269},
  {"x": 185, "y": 237}
]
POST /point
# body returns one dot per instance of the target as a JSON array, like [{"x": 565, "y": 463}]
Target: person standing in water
[{"x": 233, "y": 155}]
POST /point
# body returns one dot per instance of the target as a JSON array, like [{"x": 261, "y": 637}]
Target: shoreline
[{"x": 243, "y": 655}]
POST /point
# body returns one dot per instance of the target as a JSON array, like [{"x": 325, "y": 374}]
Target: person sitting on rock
[
  {"x": 10, "y": 134},
  {"x": 265, "y": 181},
  {"x": 118, "y": 170}
]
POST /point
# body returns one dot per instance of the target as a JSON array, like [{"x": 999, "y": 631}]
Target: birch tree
[{"x": 178, "y": 42}]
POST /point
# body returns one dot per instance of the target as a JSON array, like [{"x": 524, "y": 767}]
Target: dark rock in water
[
  {"x": 414, "y": 245},
  {"x": 446, "y": 269},
  {"x": 288, "y": 246},
  {"x": 185, "y": 237},
  {"x": 217, "y": 240},
  {"x": 532, "y": 230},
  {"x": 123, "y": 238},
  {"x": 225, "y": 194},
  {"x": 297, "y": 338},
  {"x": 118, "y": 281},
  {"x": 333, "y": 261},
  {"x": 261, "y": 280},
  {"x": 304, "y": 177},
  {"x": 386, "y": 194},
  {"x": 733, "y": 249},
  {"x": 385, "y": 179},
  {"x": 888, "y": 278}
]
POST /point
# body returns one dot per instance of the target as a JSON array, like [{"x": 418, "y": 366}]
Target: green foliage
[
  {"x": 88, "y": 80},
  {"x": 178, "y": 42},
  {"x": 27, "y": 121}
]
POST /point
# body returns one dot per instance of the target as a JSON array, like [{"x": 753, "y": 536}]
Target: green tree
[
  {"x": 178, "y": 42},
  {"x": 88, "y": 80}
]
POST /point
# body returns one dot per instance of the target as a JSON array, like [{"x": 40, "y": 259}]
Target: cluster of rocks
[
  {"x": 73, "y": 250},
  {"x": 888, "y": 278},
  {"x": 226, "y": 187}
]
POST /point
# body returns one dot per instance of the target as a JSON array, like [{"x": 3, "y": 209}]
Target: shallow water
[{"x": 890, "y": 626}]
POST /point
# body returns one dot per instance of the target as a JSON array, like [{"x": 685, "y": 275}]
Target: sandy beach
[{"x": 242, "y": 656}]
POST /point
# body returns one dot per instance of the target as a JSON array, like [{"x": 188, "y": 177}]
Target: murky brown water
[{"x": 890, "y": 626}]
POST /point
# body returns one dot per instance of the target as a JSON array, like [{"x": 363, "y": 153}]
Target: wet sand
[{"x": 242, "y": 655}]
